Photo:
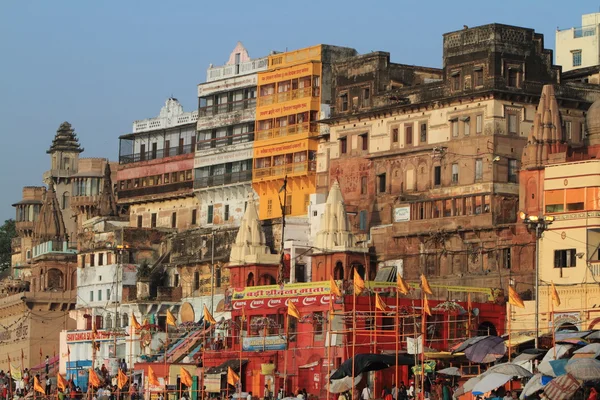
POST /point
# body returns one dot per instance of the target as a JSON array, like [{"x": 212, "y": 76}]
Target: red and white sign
[{"x": 301, "y": 301}]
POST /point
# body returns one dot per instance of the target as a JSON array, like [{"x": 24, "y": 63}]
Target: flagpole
[
  {"x": 423, "y": 338},
  {"x": 9, "y": 376},
  {"x": 241, "y": 348},
  {"x": 328, "y": 344},
  {"x": 353, "y": 334},
  {"x": 285, "y": 356},
  {"x": 553, "y": 327},
  {"x": 396, "y": 380},
  {"x": 203, "y": 353},
  {"x": 509, "y": 331},
  {"x": 469, "y": 308}
]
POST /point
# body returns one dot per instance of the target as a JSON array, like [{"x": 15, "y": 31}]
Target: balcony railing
[
  {"x": 311, "y": 128},
  {"x": 298, "y": 168},
  {"x": 81, "y": 201},
  {"x": 225, "y": 179},
  {"x": 226, "y": 107},
  {"x": 54, "y": 247},
  {"x": 24, "y": 225},
  {"x": 225, "y": 141},
  {"x": 156, "y": 154},
  {"x": 289, "y": 95},
  {"x": 152, "y": 190}
]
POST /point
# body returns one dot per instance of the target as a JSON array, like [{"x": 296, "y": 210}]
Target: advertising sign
[
  {"x": 402, "y": 214},
  {"x": 265, "y": 343}
]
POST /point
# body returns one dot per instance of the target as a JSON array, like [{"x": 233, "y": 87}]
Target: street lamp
[{"x": 537, "y": 223}]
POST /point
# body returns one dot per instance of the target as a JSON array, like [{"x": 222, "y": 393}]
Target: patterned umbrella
[
  {"x": 486, "y": 350},
  {"x": 593, "y": 348},
  {"x": 585, "y": 369},
  {"x": 562, "y": 388}
]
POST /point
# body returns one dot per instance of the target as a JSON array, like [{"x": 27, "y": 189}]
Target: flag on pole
[
  {"x": 426, "y": 308},
  {"x": 94, "y": 379},
  {"x": 514, "y": 298},
  {"x": 15, "y": 372},
  {"x": 61, "y": 382},
  {"x": 122, "y": 379},
  {"x": 171, "y": 319},
  {"x": 293, "y": 311},
  {"x": 425, "y": 285},
  {"x": 135, "y": 323},
  {"x": 232, "y": 377},
  {"x": 208, "y": 317},
  {"x": 402, "y": 286},
  {"x": 37, "y": 386},
  {"x": 152, "y": 379},
  {"x": 379, "y": 303},
  {"x": 185, "y": 377},
  {"x": 334, "y": 287},
  {"x": 555, "y": 296},
  {"x": 359, "y": 283}
]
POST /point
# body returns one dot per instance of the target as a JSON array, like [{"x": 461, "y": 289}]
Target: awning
[
  {"x": 309, "y": 365},
  {"x": 370, "y": 362},
  {"x": 222, "y": 369},
  {"x": 386, "y": 274}
]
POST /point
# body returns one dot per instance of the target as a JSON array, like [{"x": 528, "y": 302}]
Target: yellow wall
[{"x": 276, "y": 141}]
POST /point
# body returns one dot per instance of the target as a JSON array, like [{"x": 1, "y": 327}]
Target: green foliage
[
  {"x": 7, "y": 233},
  {"x": 143, "y": 271}
]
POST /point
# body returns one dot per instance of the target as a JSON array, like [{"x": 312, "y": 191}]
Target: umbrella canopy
[
  {"x": 585, "y": 369},
  {"x": 344, "y": 384},
  {"x": 593, "y": 348},
  {"x": 486, "y": 350},
  {"x": 533, "y": 385},
  {"x": 521, "y": 358},
  {"x": 573, "y": 341},
  {"x": 490, "y": 382},
  {"x": 561, "y": 350},
  {"x": 594, "y": 335},
  {"x": 467, "y": 343},
  {"x": 562, "y": 388},
  {"x": 450, "y": 371},
  {"x": 470, "y": 384},
  {"x": 571, "y": 334},
  {"x": 370, "y": 362},
  {"x": 553, "y": 368},
  {"x": 509, "y": 369}
]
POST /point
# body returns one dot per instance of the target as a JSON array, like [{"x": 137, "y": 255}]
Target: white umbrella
[
  {"x": 532, "y": 386},
  {"x": 561, "y": 350},
  {"x": 450, "y": 371},
  {"x": 593, "y": 348},
  {"x": 470, "y": 384},
  {"x": 490, "y": 382},
  {"x": 509, "y": 369},
  {"x": 344, "y": 384}
]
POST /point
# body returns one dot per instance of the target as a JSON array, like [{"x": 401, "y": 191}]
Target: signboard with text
[{"x": 258, "y": 343}]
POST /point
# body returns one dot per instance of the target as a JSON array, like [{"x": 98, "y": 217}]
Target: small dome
[{"x": 592, "y": 122}]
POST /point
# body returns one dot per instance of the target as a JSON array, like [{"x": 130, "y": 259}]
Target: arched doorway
[
  {"x": 486, "y": 328},
  {"x": 338, "y": 271},
  {"x": 567, "y": 326}
]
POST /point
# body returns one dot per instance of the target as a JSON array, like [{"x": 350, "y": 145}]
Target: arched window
[
  {"x": 250, "y": 280},
  {"x": 486, "y": 329},
  {"x": 65, "y": 200},
  {"x": 55, "y": 279},
  {"x": 267, "y": 279},
  {"x": 338, "y": 271},
  {"x": 108, "y": 321}
]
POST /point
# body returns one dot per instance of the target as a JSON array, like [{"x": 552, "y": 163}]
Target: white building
[{"x": 578, "y": 47}]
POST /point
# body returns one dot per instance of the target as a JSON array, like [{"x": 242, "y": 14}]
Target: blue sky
[{"x": 103, "y": 64}]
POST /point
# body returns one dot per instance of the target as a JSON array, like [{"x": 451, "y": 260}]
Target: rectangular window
[
  {"x": 513, "y": 77},
  {"x": 454, "y": 128},
  {"x": 101, "y": 259},
  {"x": 381, "y": 183},
  {"x": 226, "y": 214},
  {"x": 582, "y": 130},
  {"x": 363, "y": 185},
  {"x": 362, "y": 220},
  {"x": 343, "y": 145},
  {"x": 565, "y": 258},
  {"x": 455, "y": 173},
  {"x": 366, "y": 97},
  {"x": 513, "y": 171},
  {"x": 269, "y": 207},
  {"x": 209, "y": 215},
  {"x": 395, "y": 135},
  {"x": 568, "y": 131},
  {"x": 174, "y": 220},
  {"x": 423, "y": 132},
  {"x": 512, "y": 123},
  {"x": 153, "y": 221},
  {"x": 107, "y": 294},
  {"x": 139, "y": 221},
  {"x": 437, "y": 175},
  {"x": 505, "y": 258},
  {"x": 478, "y": 77},
  {"x": 467, "y": 126},
  {"x": 319, "y": 320},
  {"x": 479, "y": 124},
  {"x": 92, "y": 260},
  {"x": 99, "y": 295},
  {"x": 364, "y": 140},
  {"x": 456, "y": 80},
  {"x": 478, "y": 169},
  {"x": 194, "y": 216},
  {"x": 91, "y": 296},
  {"x": 576, "y": 58},
  {"x": 344, "y": 102},
  {"x": 409, "y": 134}
]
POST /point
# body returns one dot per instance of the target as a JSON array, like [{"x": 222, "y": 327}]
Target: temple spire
[
  {"x": 50, "y": 224},
  {"x": 107, "y": 206},
  {"x": 65, "y": 140}
]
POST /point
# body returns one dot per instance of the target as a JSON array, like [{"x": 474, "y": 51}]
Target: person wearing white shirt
[
  {"x": 366, "y": 393},
  {"x": 249, "y": 397}
]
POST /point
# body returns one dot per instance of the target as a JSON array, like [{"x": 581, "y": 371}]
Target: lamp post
[{"x": 537, "y": 223}]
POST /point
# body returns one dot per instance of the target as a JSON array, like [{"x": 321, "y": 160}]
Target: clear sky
[{"x": 103, "y": 64}]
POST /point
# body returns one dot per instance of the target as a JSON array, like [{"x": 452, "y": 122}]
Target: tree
[{"x": 7, "y": 233}]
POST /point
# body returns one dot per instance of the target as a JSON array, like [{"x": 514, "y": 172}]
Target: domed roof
[{"x": 592, "y": 122}]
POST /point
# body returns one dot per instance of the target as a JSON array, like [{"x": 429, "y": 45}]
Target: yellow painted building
[
  {"x": 569, "y": 250},
  {"x": 293, "y": 94}
]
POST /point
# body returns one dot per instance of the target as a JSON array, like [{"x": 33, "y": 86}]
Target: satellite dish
[{"x": 187, "y": 313}]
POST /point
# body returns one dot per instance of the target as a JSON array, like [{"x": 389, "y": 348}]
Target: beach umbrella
[
  {"x": 470, "y": 384},
  {"x": 344, "y": 384},
  {"x": 593, "y": 348},
  {"x": 553, "y": 368},
  {"x": 561, "y": 350},
  {"x": 594, "y": 335},
  {"x": 585, "y": 369},
  {"x": 509, "y": 369},
  {"x": 535, "y": 384},
  {"x": 490, "y": 382},
  {"x": 467, "y": 343},
  {"x": 560, "y": 335},
  {"x": 450, "y": 371},
  {"x": 486, "y": 350},
  {"x": 562, "y": 388}
]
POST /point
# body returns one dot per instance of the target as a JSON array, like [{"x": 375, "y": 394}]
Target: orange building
[{"x": 293, "y": 94}]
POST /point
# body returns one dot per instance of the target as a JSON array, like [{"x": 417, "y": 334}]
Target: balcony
[
  {"x": 224, "y": 108},
  {"x": 228, "y": 71},
  {"x": 24, "y": 226},
  {"x": 224, "y": 141},
  {"x": 225, "y": 179},
  {"x": 289, "y": 95},
  {"x": 156, "y": 154},
  {"x": 83, "y": 201},
  {"x": 309, "y": 127},
  {"x": 55, "y": 247},
  {"x": 154, "y": 190},
  {"x": 279, "y": 171}
]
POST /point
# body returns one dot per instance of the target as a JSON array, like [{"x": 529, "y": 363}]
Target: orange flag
[
  {"x": 171, "y": 319},
  {"x": 208, "y": 316},
  {"x": 555, "y": 297},
  {"x": 122, "y": 379},
  {"x": 61, "y": 382},
  {"x": 402, "y": 286},
  {"x": 426, "y": 308},
  {"x": 152, "y": 379},
  {"x": 135, "y": 323},
  {"x": 232, "y": 377},
  {"x": 425, "y": 285},
  {"x": 37, "y": 386},
  {"x": 185, "y": 377},
  {"x": 514, "y": 298},
  {"x": 359, "y": 283},
  {"x": 335, "y": 290},
  {"x": 293, "y": 311},
  {"x": 379, "y": 303},
  {"x": 94, "y": 379}
]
